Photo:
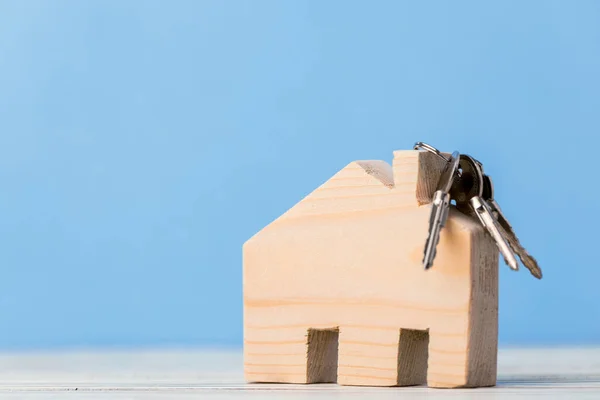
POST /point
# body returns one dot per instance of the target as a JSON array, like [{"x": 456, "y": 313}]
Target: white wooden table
[{"x": 569, "y": 373}]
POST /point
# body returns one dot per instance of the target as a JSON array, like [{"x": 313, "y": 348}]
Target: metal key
[
  {"x": 508, "y": 232},
  {"x": 468, "y": 193},
  {"x": 440, "y": 208}
]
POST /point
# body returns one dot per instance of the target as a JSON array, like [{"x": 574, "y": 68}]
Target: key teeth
[
  {"x": 429, "y": 264},
  {"x": 528, "y": 261},
  {"x": 532, "y": 266}
]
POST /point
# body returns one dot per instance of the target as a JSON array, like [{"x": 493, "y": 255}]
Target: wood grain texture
[
  {"x": 347, "y": 259},
  {"x": 322, "y": 355}
]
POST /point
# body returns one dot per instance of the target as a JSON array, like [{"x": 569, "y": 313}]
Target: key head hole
[
  {"x": 469, "y": 184},
  {"x": 480, "y": 209}
]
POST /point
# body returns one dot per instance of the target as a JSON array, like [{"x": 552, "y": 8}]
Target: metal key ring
[{"x": 431, "y": 149}]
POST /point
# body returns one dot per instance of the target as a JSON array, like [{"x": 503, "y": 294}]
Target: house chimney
[{"x": 417, "y": 171}]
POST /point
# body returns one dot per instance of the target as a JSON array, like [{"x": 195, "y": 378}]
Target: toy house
[{"x": 335, "y": 291}]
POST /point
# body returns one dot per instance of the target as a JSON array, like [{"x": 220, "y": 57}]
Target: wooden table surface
[{"x": 569, "y": 373}]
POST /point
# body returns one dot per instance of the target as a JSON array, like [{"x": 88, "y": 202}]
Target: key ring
[{"x": 431, "y": 149}]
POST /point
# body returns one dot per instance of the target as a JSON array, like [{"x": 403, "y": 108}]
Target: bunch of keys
[{"x": 464, "y": 181}]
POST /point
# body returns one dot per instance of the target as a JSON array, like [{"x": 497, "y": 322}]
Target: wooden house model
[{"x": 335, "y": 291}]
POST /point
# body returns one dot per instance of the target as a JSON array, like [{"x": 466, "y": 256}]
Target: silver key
[
  {"x": 469, "y": 195},
  {"x": 439, "y": 209},
  {"x": 484, "y": 212},
  {"x": 508, "y": 232}
]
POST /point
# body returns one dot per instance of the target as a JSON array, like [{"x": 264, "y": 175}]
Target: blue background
[{"x": 142, "y": 142}]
